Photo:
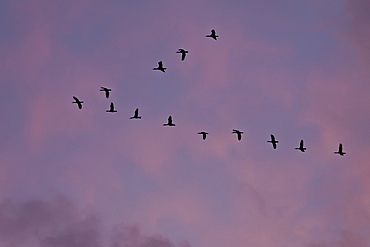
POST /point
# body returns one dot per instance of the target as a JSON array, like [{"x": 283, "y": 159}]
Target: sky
[{"x": 296, "y": 69}]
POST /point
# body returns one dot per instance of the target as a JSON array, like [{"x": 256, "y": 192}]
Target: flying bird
[
  {"x": 78, "y": 102},
  {"x": 136, "y": 115},
  {"x": 169, "y": 122},
  {"x": 183, "y": 53},
  {"x": 301, "y": 147},
  {"x": 239, "y": 133},
  {"x": 273, "y": 141},
  {"x": 213, "y": 35},
  {"x": 340, "y": 151},
  {"x": 160, "y": 67},
  {"x": 106, "y": 90},
  {"x": 204, "y": 134},
  {"x": 111, "y": 108}
]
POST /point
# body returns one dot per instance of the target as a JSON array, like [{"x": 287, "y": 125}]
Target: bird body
[
  {"x": 169, "y": 122},
  {"x": 106, "y": 90},
  {"x": 301, "y": 148},
  {"x": 160, "y": 67},
  {"x": 78, "y": 102},
  {"x": 204, "y": 134},
  {"x": 183, "y": 53},
  {"x": 239, "y": 133},
  {"x": 273, "y": 141},
  {"x": 213, "y": 35},
  {"x": 136, "y": 115},
  {"x": 340, "y": 151},
  {"x": 111, "y": 108}
]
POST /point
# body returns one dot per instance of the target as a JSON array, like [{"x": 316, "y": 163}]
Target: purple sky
[{"x": 87, "y": 178}]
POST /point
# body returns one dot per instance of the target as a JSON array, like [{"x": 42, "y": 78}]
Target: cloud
[
  {"x": 358, "y": 29},
  {"x": 132, "y": 237},
  {"x": 40, "y": 223},
  {"x": 59, "y": 223},
  {"x": 346, "y": 238}
]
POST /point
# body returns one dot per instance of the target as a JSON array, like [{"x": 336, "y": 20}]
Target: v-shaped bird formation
[{"x": 170, "y": 122}]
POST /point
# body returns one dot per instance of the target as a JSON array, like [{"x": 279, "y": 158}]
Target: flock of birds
[{"x": 204, "y": 134}]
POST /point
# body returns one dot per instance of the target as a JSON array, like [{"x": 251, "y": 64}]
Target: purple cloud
[{"x": 59, "y": 223}]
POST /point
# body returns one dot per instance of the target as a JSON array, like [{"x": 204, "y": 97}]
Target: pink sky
[{"x": 295, "y": 69}]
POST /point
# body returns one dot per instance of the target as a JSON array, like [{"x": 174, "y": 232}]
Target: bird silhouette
[
  {"x": 340, "y": 151},
  {"x": 160, "y": 67},
  {"x": 273, "y": 141},
  {"x": 213, "y": 35},
  {"x": 204, "y": 134},
  {"x": 111, "y": 108},
  {"x": 169, "y": 122},
  {"x": 301, "y": 148},
  {"x": 183, "y": 53},
  {"x": 136, "y": 115},
  {"x": 78, "y": 102},
  {"x": 239, "y": 133},
  {"x": 106, "y": 90}
]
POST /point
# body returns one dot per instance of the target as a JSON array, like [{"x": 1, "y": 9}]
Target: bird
[
  {"x": 78, "y": 102},
  {"x": 160, "y": 67},
  {"x": 273, "y": 141},
  {"x": 340, "y": 151},
  {"x": 106, "y": 90},
  {"x": 213, "y": 35},
  {"x": 301, "y": 147},
  {"x": 183, "y": 53},
  {"x": 136, "y": 115},
  {"x": 239, "y": 133},
  {"x": 111, "y": 109},
  {"x": 204, "y": 134},
  {"x": 169, "y": 122}
]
